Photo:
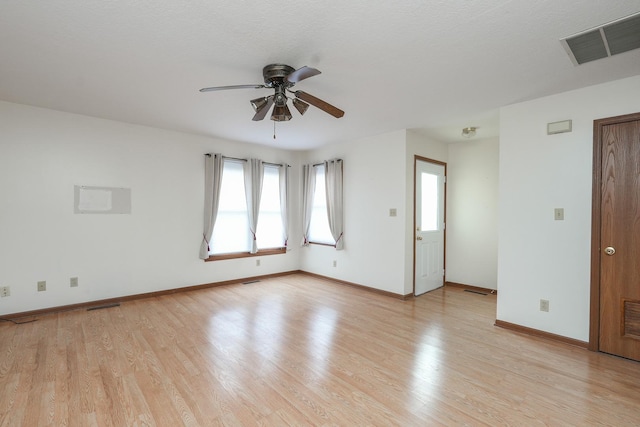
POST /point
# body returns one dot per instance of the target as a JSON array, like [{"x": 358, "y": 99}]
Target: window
[
  {"x": 319, "y": 231},
  {"x": 269, "y": 232},
  {"x": 231, "y": 231}
]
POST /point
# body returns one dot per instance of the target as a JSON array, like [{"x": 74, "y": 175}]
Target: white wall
[
  {"x": 44, "y": 153},
  {"x": 374, "y": 182},
  {"x": 472, "y": 213},
  {"x": 378, "y": 176},
  {"x": 539, "y": 258}
]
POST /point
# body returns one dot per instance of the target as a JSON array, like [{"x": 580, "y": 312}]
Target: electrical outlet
[
  {"x": 257, "y": 263},
  {"x": 73, "y": 282},
  {"x": 5, "y": 291},
  {"x": 42, "y": 286},
  {"x": 335, "y": 263},
  {"x": 544, "y": 305}
]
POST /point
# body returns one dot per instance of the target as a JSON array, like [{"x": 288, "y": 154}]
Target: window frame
[
  {"x": 312, "y": 242},
  {"x": 235, "y": 255},
  {"x": 262, "y": 228},
  {"x": 248, "y": 254}
]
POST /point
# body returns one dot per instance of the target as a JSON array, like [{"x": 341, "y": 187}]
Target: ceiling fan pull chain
[{"x": 274, "y": 130}]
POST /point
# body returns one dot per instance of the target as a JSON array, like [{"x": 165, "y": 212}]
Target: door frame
[
  {"x": 596, "y": 217},
  {"x": 417, "y": 158}
]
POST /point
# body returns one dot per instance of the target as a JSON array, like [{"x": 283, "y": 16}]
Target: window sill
[
  {"x": 261, "y": 252},
  {"x": 331, "y": 245}
]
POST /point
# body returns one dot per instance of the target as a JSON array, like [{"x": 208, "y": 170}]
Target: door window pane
[{"x": 429, "y": 208}]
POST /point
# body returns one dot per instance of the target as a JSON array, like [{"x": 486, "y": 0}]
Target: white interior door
[{"x": 429, "y": 233}]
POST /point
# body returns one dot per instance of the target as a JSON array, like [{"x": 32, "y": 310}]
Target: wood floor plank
[{"x": 298, "y": 350}]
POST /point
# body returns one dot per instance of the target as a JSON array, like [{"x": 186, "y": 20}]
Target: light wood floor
[{"x": 302, "y": 351}]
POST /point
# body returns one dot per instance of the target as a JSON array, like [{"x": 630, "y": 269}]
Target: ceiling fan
[{"x": 282, "y": 78}]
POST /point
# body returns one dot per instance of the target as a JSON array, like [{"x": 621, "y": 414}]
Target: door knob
[
  {"x": 609, "y": 250},
  {"x": 419, "y": 238}
]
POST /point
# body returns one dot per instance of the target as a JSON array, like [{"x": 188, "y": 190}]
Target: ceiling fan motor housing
[{"x": 275, "y": 75}]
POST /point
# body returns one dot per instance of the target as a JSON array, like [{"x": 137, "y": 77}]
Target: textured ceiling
[{"x": 436, "y": 66}]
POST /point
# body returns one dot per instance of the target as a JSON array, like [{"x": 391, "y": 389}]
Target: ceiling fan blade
[
  {"x": 212, "y": 89},
  {"x": 319, "y": 103},
  {"x": 301, "y": 74},
  {"x": 264, "y": 110}
]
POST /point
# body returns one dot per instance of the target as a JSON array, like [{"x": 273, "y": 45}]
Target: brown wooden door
[{"x": 619, "y": 246}]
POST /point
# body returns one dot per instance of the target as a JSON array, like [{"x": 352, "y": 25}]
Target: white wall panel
[
  {"x": 538, "y": 257},
  {"x": 45, "y": 153},
  {"x": 472, "y": 213}
]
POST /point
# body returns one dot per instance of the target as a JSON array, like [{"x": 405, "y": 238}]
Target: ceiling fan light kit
[
  {"x": 258, "y": 104},
  {"x": 281, "y": 113},
  {"x": 282, "y": 78},
  {"x": 300, "y": 106},
  {"x": 469, "y": 132}
]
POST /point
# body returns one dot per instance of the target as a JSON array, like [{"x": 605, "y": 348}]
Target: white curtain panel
[
  {"x": 308, "y": 189},
  {"x": 253, "y": 172},
  {"x": 284, "y": 201},
  {"x": 212, "y": 183},
  {"x": 333, "y": 183}
]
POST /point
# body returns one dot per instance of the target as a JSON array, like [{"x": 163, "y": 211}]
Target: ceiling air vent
[{"x": 609, "y": 39}]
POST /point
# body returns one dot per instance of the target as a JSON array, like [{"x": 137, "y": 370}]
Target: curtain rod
[
  {"x": 244, "y": 160},
  {"x": 322, "y": 163}
]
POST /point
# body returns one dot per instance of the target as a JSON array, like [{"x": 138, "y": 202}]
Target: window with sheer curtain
[
  {"x": 269, "y": 233},
  {"x": 231, "y": 232},
  {"x": 319, "y": 231}
]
